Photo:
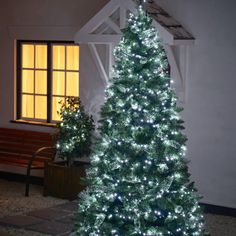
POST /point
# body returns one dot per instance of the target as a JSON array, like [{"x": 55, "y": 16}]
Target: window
[{"x": 47, "y": 73}]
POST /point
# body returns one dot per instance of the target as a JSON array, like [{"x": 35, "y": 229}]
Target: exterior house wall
[
  {"x": 210, "y": 110},
  {"x": 44, "y": 20}
]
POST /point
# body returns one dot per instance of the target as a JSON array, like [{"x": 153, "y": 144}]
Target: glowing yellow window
[
  {"x": 41, "y": 82},
  {"x": 72, "y": 58},
  {"x": 27, "y": 81},
  {"x": 27, "y": 56},
  {"x": 59, "y": 83},
  {"x": 58, "y": 57},
  {"x": 41, "y": 56},
  {"x": 49, "y": 73},
  {"x": 56, "y": 105},
  {"x": 41, "y": 107},
  {"x": 65, "y": 75},
  {"x": 28, "y": 106},
  {"x": 72, "y": 84}
]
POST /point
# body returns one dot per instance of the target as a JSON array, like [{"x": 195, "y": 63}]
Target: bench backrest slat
[{"x": 24, "y": 142}]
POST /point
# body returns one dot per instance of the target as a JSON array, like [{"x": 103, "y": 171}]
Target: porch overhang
[{"x": 105, "y": 28}]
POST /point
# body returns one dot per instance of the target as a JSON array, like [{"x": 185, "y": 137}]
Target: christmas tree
[
  {"x": 75, "y": 131},
  {"x": 138, "y": 182}
]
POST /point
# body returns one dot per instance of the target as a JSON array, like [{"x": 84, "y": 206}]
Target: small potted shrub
[
  {"x": 74, "y": 136},
  {"x": 73, "y": 141}
]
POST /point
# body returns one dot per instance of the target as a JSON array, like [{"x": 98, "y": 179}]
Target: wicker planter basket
[{"x": 62, "y": 181}]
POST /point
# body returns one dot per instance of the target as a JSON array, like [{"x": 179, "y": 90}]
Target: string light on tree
[
  {"x": 74, "y": 136},
  {"x": 138, "y": 183}
]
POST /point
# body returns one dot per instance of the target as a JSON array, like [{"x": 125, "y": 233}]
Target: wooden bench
[{"x": 27, "y": 149}]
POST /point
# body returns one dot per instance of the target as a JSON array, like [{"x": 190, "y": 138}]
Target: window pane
[
  {"x": 41, "y": 82},
  {"x": 27, "y": 56},
  {"x": 27, "y": 81},
  {"x": 41, "y": 107},
  {"x": 58, "y": 57},
  {"x": 28, "y": 106},
  {"x": 58, "y": 83},
  {"x": 72, "y": 57},
  {"x": 72, "y": 84},
  {"x": 41, "y": 56},
  {"x": 56, "y": 107}
]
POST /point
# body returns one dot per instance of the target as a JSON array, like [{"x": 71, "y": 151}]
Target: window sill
[{"x": 27, "y": 122}]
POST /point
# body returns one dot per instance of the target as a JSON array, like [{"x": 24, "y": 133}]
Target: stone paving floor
[{"x": 56, "y": 220}]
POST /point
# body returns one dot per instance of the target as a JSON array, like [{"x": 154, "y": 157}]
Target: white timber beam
[
  {"x": 111, "y": 62},
  {"x": 176, "y": 72},
  {"x": 98, "y": 63},
  {"x": 104, "y": 30},
  {"x": 172, "y": 62},
  {"x": 113, "y": 25},
  {"x": 99, "y": 38},
  {"x": 123, "y": 17},
  {"x": 98, "y": 19}
]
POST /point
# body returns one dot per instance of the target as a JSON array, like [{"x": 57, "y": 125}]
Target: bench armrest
[
  {"x": 30, "y": 163},
  {"x": 35, "y": 154}
]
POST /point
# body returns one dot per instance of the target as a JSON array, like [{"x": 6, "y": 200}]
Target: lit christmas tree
[
  {"x": 138, "y": 182},
  {"x": 75, "y": 131}
]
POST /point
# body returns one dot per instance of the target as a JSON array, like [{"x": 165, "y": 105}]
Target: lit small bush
[{"x": 75, "y": 131}]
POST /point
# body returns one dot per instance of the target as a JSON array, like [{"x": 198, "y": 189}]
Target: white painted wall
[
  {"x": 44, "y": 20},
  {"x": 210, "y": 111}
]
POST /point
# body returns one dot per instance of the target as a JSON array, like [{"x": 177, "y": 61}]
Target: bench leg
[{"x": 27, "y": 181}]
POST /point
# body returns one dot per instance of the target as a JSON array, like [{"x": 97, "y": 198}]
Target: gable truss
[{"x": 105, "y": 28}]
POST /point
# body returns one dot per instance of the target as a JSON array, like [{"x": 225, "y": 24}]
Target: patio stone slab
[
  {"x": 69, "y": 206},
  {"x": 49, "y": 214},
  {"x": 52, "y": 227},
  {"x": 19, "y": 220},
  {"x": 65, "y": 234},
  {"x": 6, "y": 234},
  {"x": 67, "y": 219}
]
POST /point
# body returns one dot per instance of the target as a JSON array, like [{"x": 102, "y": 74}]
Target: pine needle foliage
[
  {"x": 138, "y": 182},
  {"x": 74, "y": 138}
]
